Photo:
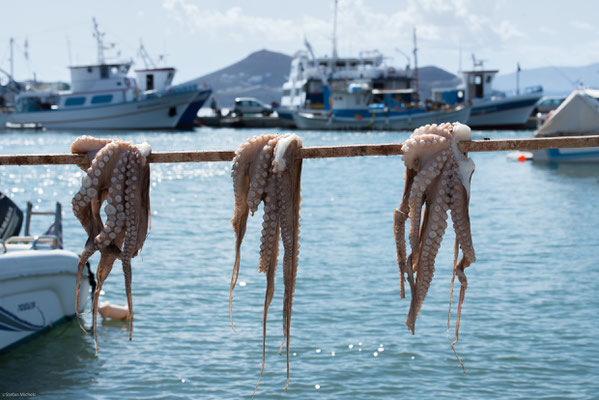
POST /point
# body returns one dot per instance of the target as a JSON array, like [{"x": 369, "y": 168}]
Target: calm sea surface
[{"x": 530, "y": 320}]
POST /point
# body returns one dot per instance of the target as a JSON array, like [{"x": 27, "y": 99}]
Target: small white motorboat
[
  {"x": 578, "y": 115},
  {"x": 37, "y": 277}
]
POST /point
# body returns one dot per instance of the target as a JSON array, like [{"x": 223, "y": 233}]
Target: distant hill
[
  {"x": 559, "y": 81},
  {"x": 262, "y": 74}
]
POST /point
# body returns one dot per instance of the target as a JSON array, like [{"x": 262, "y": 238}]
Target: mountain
[
  {"x": 558, "y": 81},
  {"x": 433, "y": 77},
  {"x": 262, "y": 74}
]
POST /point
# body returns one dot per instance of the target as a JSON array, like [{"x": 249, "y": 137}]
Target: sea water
[{"x": 530, "y": 319}]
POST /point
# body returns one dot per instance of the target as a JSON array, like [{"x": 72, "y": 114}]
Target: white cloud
[
  {"x": 582, "y": 25},
  {"x": 233, "y": 24},
  {"x": 507, "y": 30}
]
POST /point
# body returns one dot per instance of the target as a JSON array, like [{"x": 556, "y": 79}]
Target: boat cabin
[
  {"x": 479, "y": 84},
  {"x": 155, "y": 79},
  {"x": 100, "y": 77}
]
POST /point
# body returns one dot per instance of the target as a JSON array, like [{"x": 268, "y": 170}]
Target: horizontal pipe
[{"x": 358, "y": 150}]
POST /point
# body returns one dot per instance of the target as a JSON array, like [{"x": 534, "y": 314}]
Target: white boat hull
[
  {"x": 154, "y": 113},
  {"x": 511, "y": 112},
  {"x": 37, "y": 292},
  {"x": 403, "y": 122}
]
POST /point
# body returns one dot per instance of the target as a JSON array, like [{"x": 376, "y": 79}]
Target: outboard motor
[{"x": 11, "y": 218}]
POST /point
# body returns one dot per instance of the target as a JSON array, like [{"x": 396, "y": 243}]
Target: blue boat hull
[{"x": 187, "y": 120}]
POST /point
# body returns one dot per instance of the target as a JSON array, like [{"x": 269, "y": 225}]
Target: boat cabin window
[
  {"x": 104, "y": 98},
  {"x": 89, "y": 70},
  {"x": 150, "y": 82},
  {"x": 32, "y": 104},
  {"x": 74, "y": 101},
  {"x": 340, "y": 64},
  {"x": 477, "y": 83},
  {"x": 104, "y": 71},
  {"x": 286, "y": 92}
]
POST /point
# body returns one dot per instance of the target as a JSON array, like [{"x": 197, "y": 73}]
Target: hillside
[
  {"x": 555, "y": 80},
  {"x": 260, "y": 75}
]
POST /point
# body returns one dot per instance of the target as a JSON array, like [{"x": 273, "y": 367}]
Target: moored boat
[
  {"x": 496, "y": 110},
  {"x": 577, "y": 115},
  {"x": 406, "y": 120},
  {"x": 37, "y": 278},
  {"x": 102, "y": 96}
]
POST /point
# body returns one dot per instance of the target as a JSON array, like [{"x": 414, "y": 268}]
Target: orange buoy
[{"x": 108, "y": 310}]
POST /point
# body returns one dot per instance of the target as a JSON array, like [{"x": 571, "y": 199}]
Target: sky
[{"x": 202, "y": 36}]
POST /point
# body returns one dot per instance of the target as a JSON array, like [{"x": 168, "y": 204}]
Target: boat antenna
[
  {"x": 477, "y": 63},
  {"x": 416, "y": 95},
  {"x": 335, "y": 32},
  {"x": 143, "y": 54},
  {"x": 69, "y": 50},
  {"x": 99, "y": 42}
]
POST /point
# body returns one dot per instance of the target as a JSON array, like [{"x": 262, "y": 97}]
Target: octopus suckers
[
  {"x": 108, "y": 158},
  {"x": 437, "y": 180}
]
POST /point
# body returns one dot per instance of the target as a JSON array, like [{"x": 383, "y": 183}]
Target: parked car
[
  {"x": 548, "y": 103},
  {"x": 250, "y": 105}
]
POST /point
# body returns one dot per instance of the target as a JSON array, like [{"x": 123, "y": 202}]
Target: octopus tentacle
[
  {"x": 289, "y": 196},
  {"x": 438, "y": 179},
  {"x": 265, "y": 169},
  {"x": 119, "y": 177},
  {"x": 461, "y": 223},
  {"x": 245, "y": 159}
]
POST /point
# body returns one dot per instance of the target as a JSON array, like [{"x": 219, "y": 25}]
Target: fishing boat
[
  {"x": 492, "y": 109},
  {"x": 391, "y": 110},
  {"x": 577, "y": 115},
  {"x": 154, "y": 79},
  {"x": 103, "y": 96},
  {"x": 37, "y": 277},
  {"x": 354, "y": 93}
]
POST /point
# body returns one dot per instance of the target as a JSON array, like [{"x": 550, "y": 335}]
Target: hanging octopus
[
  {"x": 438, "y": 177},
  {"x": 265, "y": 170},
  {"x": 120, "y": 176}
]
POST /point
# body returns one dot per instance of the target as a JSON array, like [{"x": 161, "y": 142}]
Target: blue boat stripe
[
  {"x": 11, "y": 320},
  {"x": 477, "y": 110},
  {"x": 7, "y": 328}
]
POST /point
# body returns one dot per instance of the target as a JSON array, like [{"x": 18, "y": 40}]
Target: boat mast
[
  {"x": 335, "y": 32},
  {"x": 518, "y": 79},
  {"x": 416, "y": 95},
  {"x": 143, "y": 54},
  {"x": 12, "y": 59},
  {"x": 99, "y": 42}
]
